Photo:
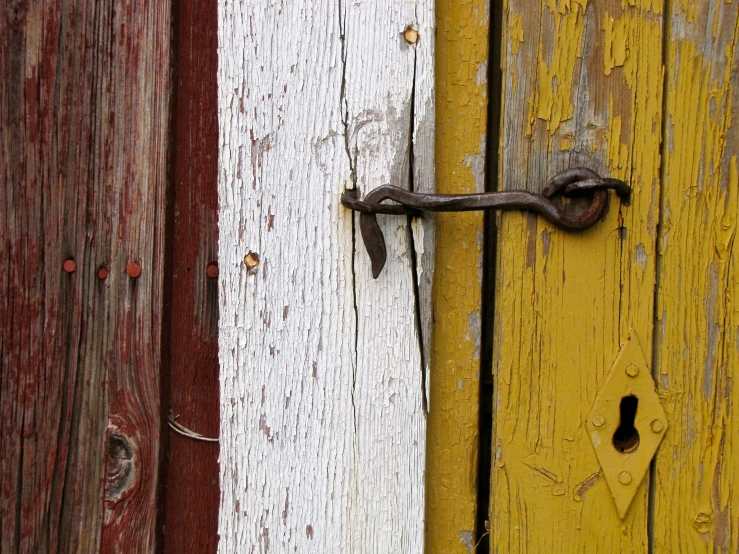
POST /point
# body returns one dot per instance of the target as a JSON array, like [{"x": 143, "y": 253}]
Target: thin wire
[
  {"x": 185, "y": 432},
  {"x": 485, "y": 534}
]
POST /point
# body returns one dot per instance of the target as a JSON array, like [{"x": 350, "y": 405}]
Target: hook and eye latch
[{"x": 578, "y": 181}]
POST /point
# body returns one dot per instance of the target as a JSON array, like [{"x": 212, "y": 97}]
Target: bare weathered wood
[
  {"x": 192, "y": 492},
  {"x": 322, "y": 427},
  {"x": 84, "y": 110}
]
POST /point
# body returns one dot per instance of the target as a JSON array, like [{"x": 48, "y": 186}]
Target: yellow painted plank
[
  {"x": 462, "y": 30},
  {"x": 583, "y": 87},
  {"x": 696, "y": 493}
]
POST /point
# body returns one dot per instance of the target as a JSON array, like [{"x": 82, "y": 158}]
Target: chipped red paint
[
  {"x": 192, "y": 494},
  {"x": 84, "y": 134}
]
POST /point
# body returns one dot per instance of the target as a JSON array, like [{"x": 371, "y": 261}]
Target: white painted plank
[{"x": 323, "y": 428}]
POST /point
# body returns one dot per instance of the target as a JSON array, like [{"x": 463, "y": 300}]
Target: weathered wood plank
[
  {"x": 323, "y": 427},
  {"x": 589, "y": 77},
  {"x": 696, "y": 492},
  {"x": 192, "y": 494},
  {"x": 83, "y": 154},
  {"x": 461, "y": 134}
]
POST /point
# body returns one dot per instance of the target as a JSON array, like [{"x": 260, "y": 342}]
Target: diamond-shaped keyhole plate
[{"x": 629, "y": 404}]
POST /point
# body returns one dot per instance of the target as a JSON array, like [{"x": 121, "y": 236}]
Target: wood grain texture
[
  {"x": 582, "y": 86},
  {"x": 322, "y": 419},
  {"x": 696, "y": 493},
  {"x": 454, "y": 385},
  {"x": 192, "y": 494},
  {"x": 83, "y": 151}
]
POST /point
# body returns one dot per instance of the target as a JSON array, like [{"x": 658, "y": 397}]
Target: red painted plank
[
  {"x": 192, "y": 495},
  {"x": 84, "y": 107}
]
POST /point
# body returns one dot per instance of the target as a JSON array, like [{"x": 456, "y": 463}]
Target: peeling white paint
[{"x": 321, "y": 369}]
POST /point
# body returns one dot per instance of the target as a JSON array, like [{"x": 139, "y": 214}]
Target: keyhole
[{"x": 626, "y": 437}]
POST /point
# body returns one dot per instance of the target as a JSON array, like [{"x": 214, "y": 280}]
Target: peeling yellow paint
[
  {"x": 616, "y": 49},
  {"x": 689, "y": 8},
  {"x": 566, "y": 302},
  {"x": 726, "y": 229},
  {"x": 655, "y": 7},
  {"x": 552, "y": 102},
  {"x": 515, "y": 33},
  {"x": 644, "y": 78},
  {"x": 516, "y": 37},
  {"x": 452, "y": 432},
  {"x": 564, "y": 6},
  {"x": 698, "y": 340},
  {"x": 565, "y": 141},
  {"x": 618, "y": 152},
  {"x": 714, "y": 30}
]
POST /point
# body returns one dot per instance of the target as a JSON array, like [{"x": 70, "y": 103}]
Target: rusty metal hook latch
[{"x": 570, "y": 182}]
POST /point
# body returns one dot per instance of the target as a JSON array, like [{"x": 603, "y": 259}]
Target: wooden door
[
  {"x": 646, "y": 92},
  {"x": 361, "y": 415}
]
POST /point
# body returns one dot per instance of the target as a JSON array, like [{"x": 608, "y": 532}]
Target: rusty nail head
[
  {"x": 624, "y": 477},
  {"x": 133, "y": 270},
  {"x": 656, "y": 426},
  {"x": 70, "y": 266},
  {"x": 632, "y": 370},
  {"x": 410, "y": 35},
  {"x": 599, "y": 420},
  {"x": 102, "y": 273},
  {"x": 212, "y": 271},
  {"x": 251, "y": 261}
]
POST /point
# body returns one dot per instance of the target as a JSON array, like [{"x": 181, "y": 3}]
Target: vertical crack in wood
[
  {"x": 356, "y": 326},
  {"x": 344, "y": 109},
  {"x": 411, "y": 241},
  {"x": 343, "y": 105},
  {"x": 651, "y": 494}
]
